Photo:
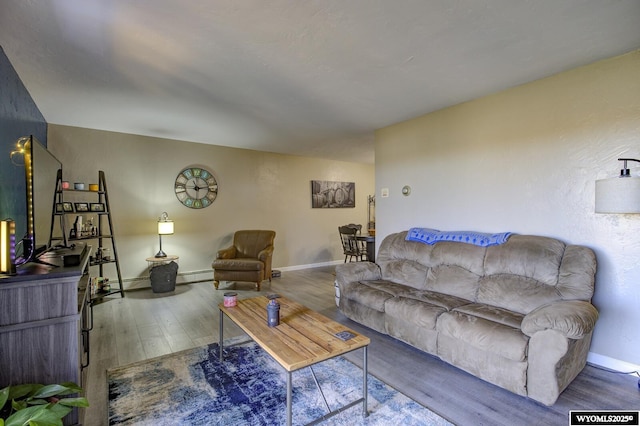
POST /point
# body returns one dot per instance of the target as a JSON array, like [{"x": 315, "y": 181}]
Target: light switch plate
[{"x": 384, "y": 192}]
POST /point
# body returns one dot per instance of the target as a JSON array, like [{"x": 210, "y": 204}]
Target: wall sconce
[
  {"x": 7, "y": 246},
  {"x": 620, "y": 194},
  {"x": 165, "y": 227}
]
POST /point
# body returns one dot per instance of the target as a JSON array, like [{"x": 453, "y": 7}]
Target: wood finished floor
[{"x": 145, "y": 325}]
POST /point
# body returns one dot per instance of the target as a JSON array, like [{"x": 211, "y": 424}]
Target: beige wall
[
  {"x": 258, "y": 190},
  {"x": 526, "y": 160}
]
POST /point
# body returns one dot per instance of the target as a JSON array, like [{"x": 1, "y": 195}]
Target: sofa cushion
[
  {"x": 372, "y": 294},
  {"x": 454, "y": 280},
  {"x": 403, "y": 271},
  {"x": 466, "y": 256},
  {"x": 577, "y": 273},
  {"x": 491, "y": 313},
  {"x": 413, "y": 311},
  {"x": 442, "y": 300},
  {"x": 394, "y": 247},
  {"x": 515, "y": 293},
  {"x": 529, "y": 256},
  {"x": 486, "y": 335}
]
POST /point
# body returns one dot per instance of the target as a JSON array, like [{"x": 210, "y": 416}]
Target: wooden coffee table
[{"x": 303, "y": 338}]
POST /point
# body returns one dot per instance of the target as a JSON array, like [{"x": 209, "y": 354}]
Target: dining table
[{"x": 370, "y": 241}]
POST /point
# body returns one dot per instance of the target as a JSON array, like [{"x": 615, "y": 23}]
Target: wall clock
[{"x": 196, "y": 187}]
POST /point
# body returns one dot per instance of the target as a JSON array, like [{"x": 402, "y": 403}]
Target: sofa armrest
[
  {"x": 227, "y": 253},
  {"x": 357, "y": 271},
  {"x": 572, "y": 318},
  {"x": 265, "y": 253}
]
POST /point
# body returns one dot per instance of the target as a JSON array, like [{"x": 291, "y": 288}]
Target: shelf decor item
[
  {"x": 82, "y": 207},
  {"x": 96, "y": 207},
  {"x": 165, "y": 227}
]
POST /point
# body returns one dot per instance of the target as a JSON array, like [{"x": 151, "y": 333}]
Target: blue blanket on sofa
[{"x": 432, "y": 236}]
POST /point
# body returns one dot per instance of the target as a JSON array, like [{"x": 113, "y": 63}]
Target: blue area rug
[{"x": 249, "y": 388}]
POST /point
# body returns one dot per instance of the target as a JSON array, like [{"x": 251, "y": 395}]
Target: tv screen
[
  {"x": 45, "y": 173},
  {"x": 41, "y": 172}
]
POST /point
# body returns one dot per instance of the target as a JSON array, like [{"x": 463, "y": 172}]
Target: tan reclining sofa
[{"x": 517, "y": 314}]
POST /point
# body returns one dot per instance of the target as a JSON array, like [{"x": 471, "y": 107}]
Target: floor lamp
[
  {"x": 165, "y": 227},
  {"x": 619, "y": 195}
]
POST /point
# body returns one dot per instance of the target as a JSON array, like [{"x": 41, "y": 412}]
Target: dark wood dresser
[{"x": 45, "y": 321}]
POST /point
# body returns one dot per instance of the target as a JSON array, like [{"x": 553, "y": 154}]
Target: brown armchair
[{"x": 248, "y": 259}]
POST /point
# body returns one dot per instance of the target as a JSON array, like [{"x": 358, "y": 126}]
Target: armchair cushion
[{"x": 238, "y": 264}]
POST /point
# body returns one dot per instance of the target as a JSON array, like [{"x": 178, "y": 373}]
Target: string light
[{"x": 20, "y": 150}]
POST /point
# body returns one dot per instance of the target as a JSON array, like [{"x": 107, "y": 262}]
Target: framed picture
[
  {"x": 59, "y": 208},
  {"x": 96, "y": 207},
  {"x": 67, "y": 207},
  {"x": 328, "y": 194},
  {"x": 82, "y": 207}
]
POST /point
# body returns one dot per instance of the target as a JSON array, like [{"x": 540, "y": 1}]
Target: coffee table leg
[
  {"x": 221, "y": 320},
  {"x": 289, "y": 402},
  {"x": 365, "y": 389}
]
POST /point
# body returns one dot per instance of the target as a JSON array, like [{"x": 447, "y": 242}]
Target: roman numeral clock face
[{"x": 196, "y": 188}]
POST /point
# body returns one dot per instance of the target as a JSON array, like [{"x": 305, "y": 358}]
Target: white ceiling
[{"x": 312, "y": 78}]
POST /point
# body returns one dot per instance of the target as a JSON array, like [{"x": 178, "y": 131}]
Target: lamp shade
[
  {"x": 165, "y": 227},
  {"x": 618, "y": 195}
]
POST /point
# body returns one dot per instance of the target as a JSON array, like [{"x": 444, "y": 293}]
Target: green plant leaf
[
  {"x": 20, "y": 391},
  {"x": 74, "y": 402},
  {"x": 49, "y": 391},
  {"x": 72, "y": 388},
  {"x": 59, "y": 409},
  {"x": 38, "y": 415},
  {"x": 39, "y": 405},
  {"x": 26, "y": 416},
  {"x": 30, "y": 401},
  {"x": 18, "y": 405},
  {"x": 4, "y": 397}
]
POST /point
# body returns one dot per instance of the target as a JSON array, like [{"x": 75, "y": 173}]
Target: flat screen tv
[{"x": 41, "y": 172}]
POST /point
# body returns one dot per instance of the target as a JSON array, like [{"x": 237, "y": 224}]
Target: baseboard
[
  {"x": 191, "y": 277},
  {"x": 188, "y": 277},
  {"x": 307, "y": 266},
  {"x": 612, "y": 363}
]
